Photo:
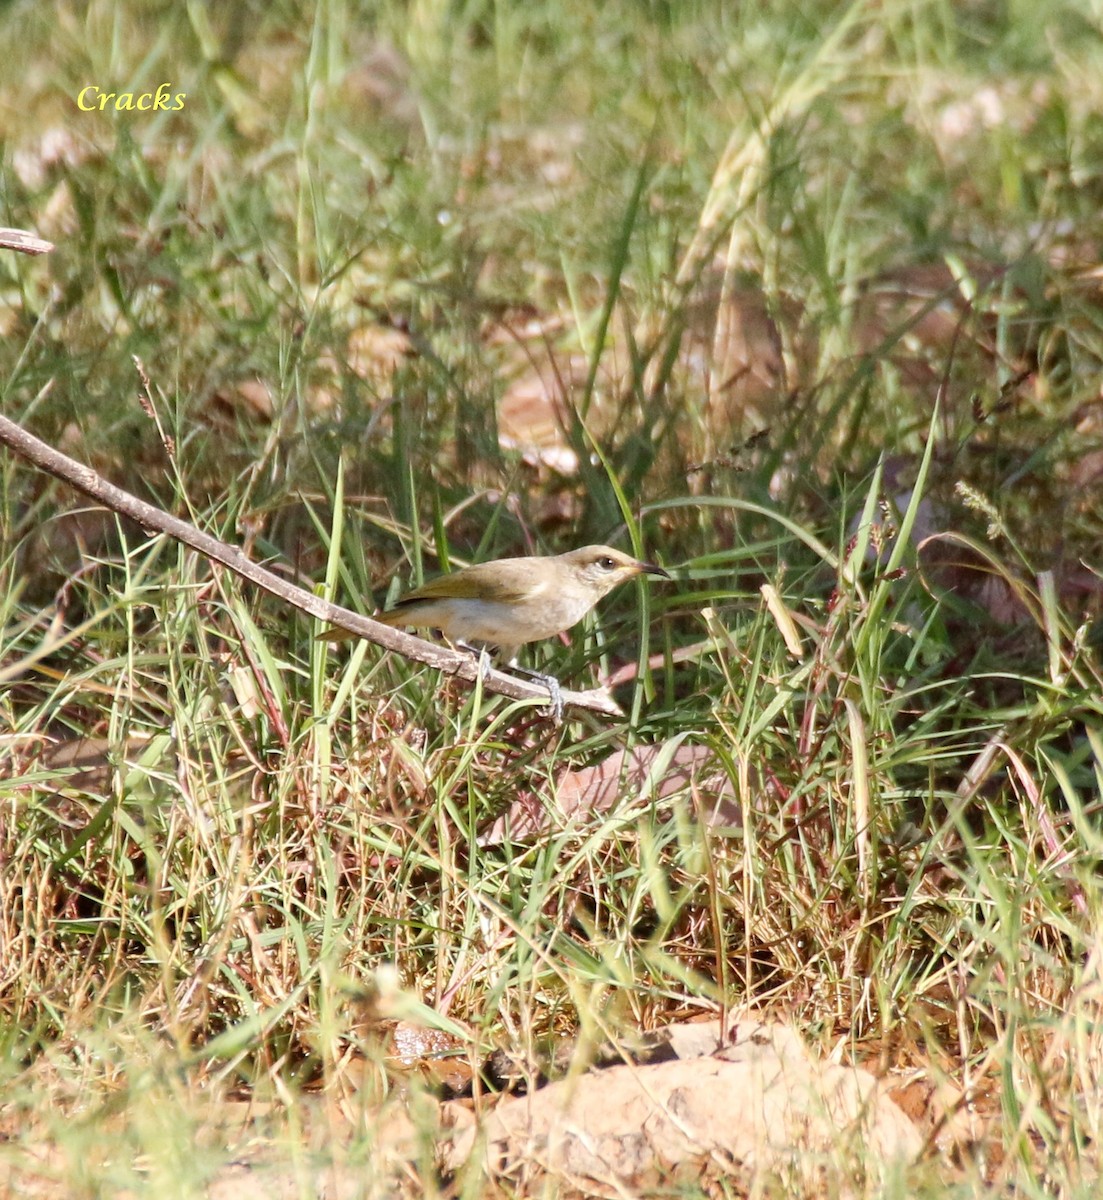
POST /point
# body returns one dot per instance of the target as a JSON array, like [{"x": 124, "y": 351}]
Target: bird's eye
[{"x": 606, "y": 563}]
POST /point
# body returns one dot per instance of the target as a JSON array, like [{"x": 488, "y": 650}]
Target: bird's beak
[{"x": 651, "y": 569}]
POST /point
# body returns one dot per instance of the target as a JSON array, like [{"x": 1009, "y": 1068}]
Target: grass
[{"x": 231, "y": 854}]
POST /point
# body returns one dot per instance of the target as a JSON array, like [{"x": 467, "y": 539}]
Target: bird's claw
[
  {"x": 555, "y": 694},
  {"x": 481, "y": 655}
]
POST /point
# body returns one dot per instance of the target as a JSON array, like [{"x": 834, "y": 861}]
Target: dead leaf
[
  {"x": 761, "y": 1104},
  {"x": 531, "y": 416},
  {"x": 377, "y": 351},
  {"x": 380, "y": 86},
  {"x": 623, "y": 776}
]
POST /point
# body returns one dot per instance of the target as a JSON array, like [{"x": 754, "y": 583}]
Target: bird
[{"x": 508, "y": 602}]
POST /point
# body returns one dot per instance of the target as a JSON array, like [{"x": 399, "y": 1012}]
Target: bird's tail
[{"x": 334, "y": 633}]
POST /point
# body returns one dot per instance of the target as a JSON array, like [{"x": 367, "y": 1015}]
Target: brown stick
[
  {"x": 24, "y": 241},
  {"x": 452, "y": 662}
]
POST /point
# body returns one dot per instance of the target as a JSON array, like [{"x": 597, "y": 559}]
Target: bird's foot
[
  {"x": 555, "y": 692},
  {"x": 481, "y": 654}
]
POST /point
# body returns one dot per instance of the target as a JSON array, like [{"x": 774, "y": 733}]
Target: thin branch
[
  {"x": 24, "y": 241},
  {"x": 452, "y": 662}
]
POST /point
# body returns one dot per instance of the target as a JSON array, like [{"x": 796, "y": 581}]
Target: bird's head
[{"x": 599, "y": 569}]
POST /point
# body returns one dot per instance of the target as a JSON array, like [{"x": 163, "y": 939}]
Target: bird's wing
[{"x": 507, "y": 580}]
